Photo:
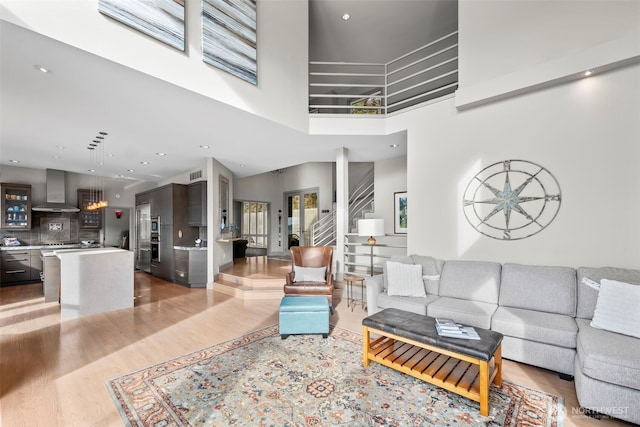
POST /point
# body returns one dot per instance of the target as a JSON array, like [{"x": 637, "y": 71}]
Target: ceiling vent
[{"x": 195, "y": 175}]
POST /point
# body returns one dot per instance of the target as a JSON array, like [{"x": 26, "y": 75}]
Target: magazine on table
[{"x": 450, "y": 329}]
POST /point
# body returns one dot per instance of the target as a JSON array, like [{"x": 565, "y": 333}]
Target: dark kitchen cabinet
[
  {"x": 16, "y": 206},
  {"x": 15, "y": 266},
  {"x": 191, "y": 267},
  {"x": 169, "y": 203},
  {"x": 89, "y": 219},
  {"x": 197, "y": 204}
]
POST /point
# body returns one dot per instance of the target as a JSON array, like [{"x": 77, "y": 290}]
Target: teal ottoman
[{"x": 304, "y": 315}]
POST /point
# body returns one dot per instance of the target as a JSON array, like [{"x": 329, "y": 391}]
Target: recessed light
[
  {"x": 119, "y": 176},
  {"x": 56, "y": 157},
  {"x": 346, "y": 17},
  {"x": 144, "y": 163},
  {"x": 393, "y": 145},
  {"x": 60, "y": 147},
  {"x": 131, "y": 170},
  {"x": 42, "y": 69},
  {"x": 91, "y": 170},
  {"x": 161, "y": 154},
  {"x": 242, "y": 165},
  {"x": 14, "y": 161},
  {"x": 109, "y": 155},
  {"x": 204, "y": 147},
  {"x": 587, "y": 73}
]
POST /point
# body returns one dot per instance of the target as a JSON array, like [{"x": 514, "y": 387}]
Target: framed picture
[
  {"x": 160, "y": 19},
  {"x": 400, "y": 212},
  {"x": 229, "y": 37}
]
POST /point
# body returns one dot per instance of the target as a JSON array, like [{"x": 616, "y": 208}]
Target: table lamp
[{"x": 371, "y": 227}]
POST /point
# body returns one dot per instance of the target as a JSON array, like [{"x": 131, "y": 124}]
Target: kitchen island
[{"x": 92, "y": 280}]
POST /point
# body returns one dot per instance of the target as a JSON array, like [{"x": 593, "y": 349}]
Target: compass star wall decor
[{"x": 511, "y": 200}]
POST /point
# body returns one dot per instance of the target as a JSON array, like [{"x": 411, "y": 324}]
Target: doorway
[{"x": 302, "y": 211}]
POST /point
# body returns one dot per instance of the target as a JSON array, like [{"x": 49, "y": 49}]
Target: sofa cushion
[
  {"x": 548, "y": 289},
  {"x": 396, "y": 258},
  {"x": 473, "y": 313},
  {"x": 618, "y": 308},
  {"x": 431, "y": 269},
  {"x": 607, "y": 356},
  {"x": 416, "y": 305},
  {"x": 538, "y": 326},
  {"x": 405, "y": 280},
  {"x": 471, "y": 280},
  {"x": 587, "y": 296}
]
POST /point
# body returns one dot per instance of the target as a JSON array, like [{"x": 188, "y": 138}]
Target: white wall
[
  {"x": 586, "y": 133},
  {"x": 498, "y": 38},
  {"x": 282, "y": 51},
  {"x": 269, "y": 187},
  {"x": 390, "y": 177}
]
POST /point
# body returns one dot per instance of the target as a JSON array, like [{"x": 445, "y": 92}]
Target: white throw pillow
[
  {"x": 309, "y": 274},
  {"x": 618, "y": 308},
  {"x": 405, "y": 280}
]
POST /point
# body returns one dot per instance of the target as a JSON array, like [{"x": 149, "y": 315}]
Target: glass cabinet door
[
  {"x": 16, "y": 206},
  {"x": 89, "y": 220}
]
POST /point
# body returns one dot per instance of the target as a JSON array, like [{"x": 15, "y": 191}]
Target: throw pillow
[
  {"x": 617, "y": 308},
  {"x": 309, "y": 274},
  {"x": 405, "y": 280}
]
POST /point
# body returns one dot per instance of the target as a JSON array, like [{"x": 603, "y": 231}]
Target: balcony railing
[{"x": 421, "y": 75}]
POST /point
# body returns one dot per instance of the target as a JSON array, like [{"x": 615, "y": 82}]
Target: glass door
[{"x": 302, "y": 212}]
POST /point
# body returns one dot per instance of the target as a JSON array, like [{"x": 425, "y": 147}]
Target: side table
[{"x": 351, "y": 301}]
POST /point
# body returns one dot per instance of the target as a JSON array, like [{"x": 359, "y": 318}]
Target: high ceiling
[{"x": 45, "y": 118}]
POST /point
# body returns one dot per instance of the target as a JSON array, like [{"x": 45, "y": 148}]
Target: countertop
[
  {"x": 51, "y": 247},
  {"x": 190, "y": 248}
]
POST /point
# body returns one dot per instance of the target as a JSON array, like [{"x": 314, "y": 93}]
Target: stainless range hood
[{"x": 56, "y": 201}]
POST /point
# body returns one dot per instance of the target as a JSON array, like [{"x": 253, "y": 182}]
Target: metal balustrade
[{"x": 421, "y": 75}]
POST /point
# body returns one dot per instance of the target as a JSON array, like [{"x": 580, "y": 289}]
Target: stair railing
[{"x": 323, "y": 231}]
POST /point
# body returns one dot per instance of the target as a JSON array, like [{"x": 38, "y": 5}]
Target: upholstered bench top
[
  {"x": 304, "y": 303},
  {"x": 423, "y": 329}
]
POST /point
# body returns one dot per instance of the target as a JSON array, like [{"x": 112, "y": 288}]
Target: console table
[{"x": 409, "y": 343}]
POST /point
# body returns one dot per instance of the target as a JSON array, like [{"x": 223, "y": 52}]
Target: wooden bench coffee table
[{"x": 409, "y": 343}]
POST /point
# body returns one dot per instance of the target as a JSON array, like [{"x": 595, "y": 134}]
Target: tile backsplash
[{"x": 52, "y": 227}]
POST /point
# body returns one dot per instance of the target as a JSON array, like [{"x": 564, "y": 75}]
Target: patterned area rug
[{"x": 260, "y": 380}]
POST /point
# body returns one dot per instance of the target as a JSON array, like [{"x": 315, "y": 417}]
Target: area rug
[{"x": 261, "y": 380}]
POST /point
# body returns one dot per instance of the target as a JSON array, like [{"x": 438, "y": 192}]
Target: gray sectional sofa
[{"x": 544, "y": 313}]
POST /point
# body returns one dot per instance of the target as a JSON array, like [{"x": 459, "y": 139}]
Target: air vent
[{"x": 195, "y": 175}]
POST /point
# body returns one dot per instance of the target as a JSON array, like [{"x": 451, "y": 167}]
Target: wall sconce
[{"x": 118, "y": 214}]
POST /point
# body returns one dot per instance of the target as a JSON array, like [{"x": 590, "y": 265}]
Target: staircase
[{"x": 361, "y": 198}]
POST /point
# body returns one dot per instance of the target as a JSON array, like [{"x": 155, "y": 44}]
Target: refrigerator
[{"x": 143, "y": 238}]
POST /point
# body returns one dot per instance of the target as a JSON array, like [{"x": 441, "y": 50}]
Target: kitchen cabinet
[
  {"x": 191, "y": 267},
  {"x": 20, "y": 266},
  {"x": 197, "y": 204},
  {"x": 16, "y": 206},
  {"x": 89, "y": 219},
  {"x": 169, "y": 203},
  {"x": 36, "y": 264}
]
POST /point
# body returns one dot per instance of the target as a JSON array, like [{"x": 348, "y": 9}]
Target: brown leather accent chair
[{"x": 310, "y": 257}]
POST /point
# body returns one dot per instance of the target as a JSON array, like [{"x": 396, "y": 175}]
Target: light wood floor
[{"x": 53, "y": 373}]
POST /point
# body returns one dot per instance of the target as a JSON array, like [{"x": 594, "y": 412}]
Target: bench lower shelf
[{"x": 459, "y": 373}]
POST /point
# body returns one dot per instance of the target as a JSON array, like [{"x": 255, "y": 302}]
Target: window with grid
[{"x": 255, "y": 223}]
